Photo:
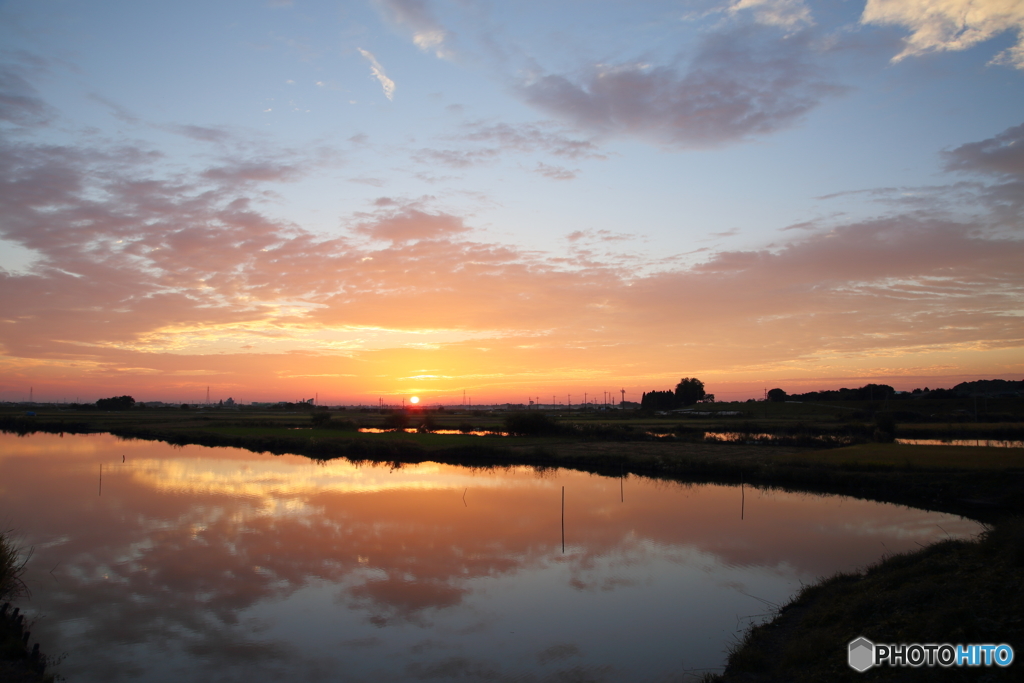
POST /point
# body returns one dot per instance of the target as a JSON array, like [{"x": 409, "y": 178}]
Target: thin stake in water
[
  {"x": 563, "y": 520},
  {"x": 101, "y": 479},
  {"x": 743, "y": 498},
  {"x": 622, "y": 493}
]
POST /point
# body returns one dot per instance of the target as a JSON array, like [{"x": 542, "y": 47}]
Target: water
[
  {"x": 205, "y": 564},
  {"x": 738, "y": 437}
]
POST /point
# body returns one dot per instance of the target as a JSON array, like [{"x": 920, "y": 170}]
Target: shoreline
[{"x": 986, "y": 494}]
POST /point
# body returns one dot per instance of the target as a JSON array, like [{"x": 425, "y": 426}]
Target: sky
[{"x": 373, "y": 199}]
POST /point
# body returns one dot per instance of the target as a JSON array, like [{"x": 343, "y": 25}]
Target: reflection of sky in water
[{"x": 213, "y": 564}]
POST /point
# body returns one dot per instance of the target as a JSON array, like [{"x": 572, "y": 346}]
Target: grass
[
  {"x": 889, "y": 455},
  {"x": 18, "y": 664},
  {"x": 12, "y": 566},
  {"x": 956, "y": 592}
]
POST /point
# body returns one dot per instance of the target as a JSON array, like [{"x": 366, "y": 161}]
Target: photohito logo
[{"x": 862, "y": 654}]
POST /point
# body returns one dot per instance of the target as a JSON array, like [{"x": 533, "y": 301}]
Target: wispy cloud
[
  {"x": 377, "y": 71},
  {"x": 484, "y": 142},
  {"x": 20, "y": 103},
  {"x": 428, "y": 33},
  {"x": 555, "y": 172},
  {"x": 951, "y": 25},
  {"x": 742, "y": 83},
  {"x": 791, "y": 14}
]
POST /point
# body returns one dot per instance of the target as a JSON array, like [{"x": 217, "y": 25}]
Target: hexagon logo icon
[{"x": 861, "y": 654}]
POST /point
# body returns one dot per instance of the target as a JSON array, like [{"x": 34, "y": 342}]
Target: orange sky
[
  {"x": 432, "y": 312},
  {"x": 735, "y": 195}
]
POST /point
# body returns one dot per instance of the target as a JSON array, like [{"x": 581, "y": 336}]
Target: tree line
[{"x": 689, "y": 391}]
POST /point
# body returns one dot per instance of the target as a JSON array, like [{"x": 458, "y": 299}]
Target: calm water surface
[{"x": 206, "y": 564}]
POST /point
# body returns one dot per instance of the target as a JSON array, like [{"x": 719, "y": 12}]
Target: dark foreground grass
[
  {"x": 18, "y": 663},
  {"x": 956, "y": 592}
]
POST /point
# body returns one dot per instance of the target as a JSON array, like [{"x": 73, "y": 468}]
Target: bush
[
  {"x": 429, "y": 424},
  {"x": 531, "y": 423},
  {"x": 885, "y": 428},
  {"x": 399, "y": 419},
  {"x": 321, "y": 419}
]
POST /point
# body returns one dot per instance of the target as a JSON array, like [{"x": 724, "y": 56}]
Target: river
[{"x": 156, "y": 563}]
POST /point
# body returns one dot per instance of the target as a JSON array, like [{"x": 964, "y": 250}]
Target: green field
[{"x": 922, "y": 457}]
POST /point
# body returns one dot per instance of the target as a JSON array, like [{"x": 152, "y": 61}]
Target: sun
[{"x": 414, "y": 399}]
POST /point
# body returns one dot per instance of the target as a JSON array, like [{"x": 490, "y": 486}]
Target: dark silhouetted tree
[
  {"x": 115, "y": 403},
  {"x": 689, "y": 391},
  {"x": 777, "y": 395},
  {"x": 659, "y": 400}
]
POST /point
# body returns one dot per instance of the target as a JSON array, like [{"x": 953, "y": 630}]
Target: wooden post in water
[
  {"x": 101, "y": 479},
  {"x": 743, "y": 498},
  {"x": 622, "y": 493},
  {"x": 563, "y": 520}
]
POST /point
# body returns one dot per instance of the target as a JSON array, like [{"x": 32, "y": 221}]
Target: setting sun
[{"x": 414, "y": 399}]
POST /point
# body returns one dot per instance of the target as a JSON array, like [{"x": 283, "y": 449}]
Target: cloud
[
  {"x": 531, "y": 137},
  {"x": 19, "y": 100},
  {"x": 741, "y": 83},
  {"x": 412, "y": 224},
  {"x": 142, "y": 269},
  {"x": 732, "y": 232},
  {"x": 377, "y": 71},
  {"x": 484, "y": 142},
  {"x": 254, "y": 171},
  {"x": 791, "y": 14},
  {"x": 201, "y": 133},
  {"x": 427, "y": 32},
  {"x": 454, "y": 158},
  {"x": 1002, "y": 154},
  {"x": 555, "y": 172},
  {"x": 951, "y": 25}
]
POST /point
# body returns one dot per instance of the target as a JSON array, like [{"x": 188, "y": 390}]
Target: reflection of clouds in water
[
  {"x": 558, "y": 652},
  {"x": 402, "y": 598},
  {"x": 293, "y": 477}
]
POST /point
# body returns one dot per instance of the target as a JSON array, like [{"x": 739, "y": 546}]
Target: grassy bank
[
  {"x": 957, "y": 592},
  {"x": 19, "y": 663}
]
